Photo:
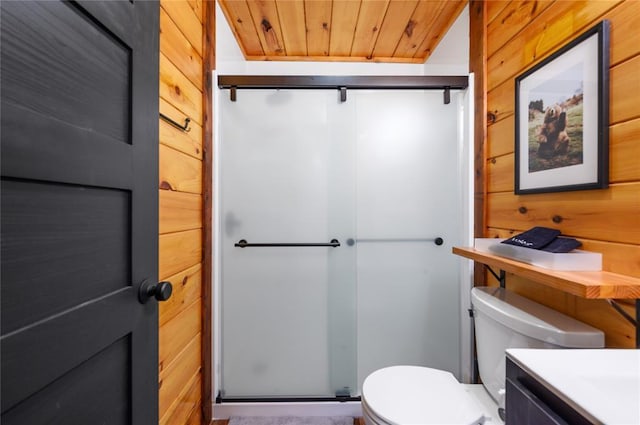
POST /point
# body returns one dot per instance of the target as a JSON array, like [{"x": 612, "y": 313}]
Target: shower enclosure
[{"x": 337, "y": 217}]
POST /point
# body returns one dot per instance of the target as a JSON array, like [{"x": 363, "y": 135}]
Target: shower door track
[
  {"x": 341, "y": 399},
  {"x": 342, "y": 83}
]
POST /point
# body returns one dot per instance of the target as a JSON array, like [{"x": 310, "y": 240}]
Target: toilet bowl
[
  {"x": 400, "y": 395},
  {"x": 418, "y": 395}
]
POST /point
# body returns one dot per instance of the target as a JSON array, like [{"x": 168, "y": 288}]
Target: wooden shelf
[{"x": 594, "y": 285}]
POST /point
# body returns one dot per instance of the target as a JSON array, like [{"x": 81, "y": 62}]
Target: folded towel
[
  {"x": 562, "y": 244},
  {"x": 535, "y": 238}
]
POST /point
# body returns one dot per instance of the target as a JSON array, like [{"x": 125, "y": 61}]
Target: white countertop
[{"x": 603, "y": 383}]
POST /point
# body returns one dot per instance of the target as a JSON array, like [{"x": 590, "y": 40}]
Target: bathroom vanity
[{"x": 572, "y": 387}]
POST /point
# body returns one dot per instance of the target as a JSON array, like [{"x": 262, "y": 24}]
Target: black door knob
[{"x": 161, "y": 291}]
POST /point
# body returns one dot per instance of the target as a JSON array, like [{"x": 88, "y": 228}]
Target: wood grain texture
[
  {"x": 176, "y": 334},
  {"x": 438, "y": 28},
  {"x": 186, "y": 405},
  {"x": 239, "y": 18},
  {"x": 187, "y": 28},
  {"x": 294, "y": 30},
  {"x": 500, "y": 102},
  {"x": 179, "y": 251},
  {"x": 395, "y": 24},
  {"x": 501, "y": 138},
  {"x": 514, "y": 17},
  {"x": 179, "y": 172},
  {"x": 175, "y": 46},
  {"x": 625, "y": 20},
  {"x": 195, "y": 418},
  {"x": 494, "y": 8},
  {"x": 624, "y": 155},
  {"x": 176, "y": 376},
  {"x": 318, "y": 22},
  {"x": 189, "y": 142},
  {"x": 593, "y": 285},
  {"x": 391, "y": 31},
  {"x": 187, "y": 287},
  {"x": 421, "y": 23},
  {"x": 478, "y": 65},
  {"x": 208, "y": 64},
  {"x": 264, "y": 14},
  {"x": 184, "y": 16},
  {"x": 625, "y": 89},
  {"x": 179, "y": 211},
  {"x": 367, "y": 30},
  {"x": 196, "y": 6},
  {"x": 344, "y": 17},
  {"x": 500, "y": 174},
  {"x": 370, "y": 59},
  {"x": 177, "y": 90},
  {"x": 610, "y": 215},
  {"x": 554, "y": 27}
]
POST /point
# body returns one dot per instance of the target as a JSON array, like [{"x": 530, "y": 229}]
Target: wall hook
[{"x": 184, "y": 127}]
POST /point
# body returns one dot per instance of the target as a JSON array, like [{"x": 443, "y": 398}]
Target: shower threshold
[
  {"x": 224, "y": 408},
  {"x": 339, "y": 399}
]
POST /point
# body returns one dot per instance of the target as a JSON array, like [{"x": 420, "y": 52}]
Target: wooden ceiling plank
[
  {"x": 390, "y": 59},
  {"x": 420, "y": 24},
  {"x": 267, "y": 23},
  {"x": 241, "y": 23},
  {"x": 394, "y": 25},
  {"x": 372, "y": 13},
  {"x": 318, "y": 22},
  {"x": 441, "y": 25},
  {"x": 344, "y": 17},
  {"x": 292, "y": 22},
  {"x": 398, "y": 31}
]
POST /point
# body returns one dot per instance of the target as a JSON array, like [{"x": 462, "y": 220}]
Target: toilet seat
[{"x": 412, "y": 395}]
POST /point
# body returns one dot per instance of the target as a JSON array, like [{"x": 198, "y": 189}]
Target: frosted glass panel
[
  {"x": 382, "y": 174},
  {"x": 408, "y": 182},
  {"x": 288, "y": 313}
]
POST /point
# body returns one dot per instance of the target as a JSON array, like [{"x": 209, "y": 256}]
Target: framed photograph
[{"x": 562, "y": 118}]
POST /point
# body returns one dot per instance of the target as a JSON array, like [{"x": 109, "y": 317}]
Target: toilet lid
[{"x": 419, "y": 395}]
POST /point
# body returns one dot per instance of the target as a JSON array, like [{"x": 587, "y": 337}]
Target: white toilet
[{"x": 403, "y": 395}]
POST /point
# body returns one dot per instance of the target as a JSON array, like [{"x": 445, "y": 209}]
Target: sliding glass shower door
[
  {"x": 337, "y": 222},
  {"x": 288, "y": 304}
]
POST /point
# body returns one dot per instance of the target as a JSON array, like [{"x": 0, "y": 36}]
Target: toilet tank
[{"x": 505, "y": 319}]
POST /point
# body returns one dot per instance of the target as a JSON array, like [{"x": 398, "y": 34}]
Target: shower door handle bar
[
  {"x": 242, "y": 243},
  {"x": 437, "y": 241}
]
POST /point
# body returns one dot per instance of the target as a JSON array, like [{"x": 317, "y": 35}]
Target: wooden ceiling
[{"x": 340, "y": 30}]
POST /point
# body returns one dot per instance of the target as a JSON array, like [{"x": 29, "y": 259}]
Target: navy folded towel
[
  {"x": 560, "y": 245},
  {"x": 535, "y": 238}
]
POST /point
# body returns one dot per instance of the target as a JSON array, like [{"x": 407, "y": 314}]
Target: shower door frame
[{"x": 342, "y": 84}]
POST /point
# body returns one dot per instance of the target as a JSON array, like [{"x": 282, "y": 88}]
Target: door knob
[{"x": 161, "y": 291}]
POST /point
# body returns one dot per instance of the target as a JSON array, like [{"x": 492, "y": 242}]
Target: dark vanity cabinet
[{"x": 530, "y": 402}]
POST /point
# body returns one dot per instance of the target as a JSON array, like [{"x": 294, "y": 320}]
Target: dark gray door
[{"x": 79, "y": 212}]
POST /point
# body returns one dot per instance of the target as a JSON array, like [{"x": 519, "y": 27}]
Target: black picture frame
[{"x": 562, "y": 118}]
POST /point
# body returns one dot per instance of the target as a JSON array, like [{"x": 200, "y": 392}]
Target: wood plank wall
[
  {"x": 184, "y": 194},
  {"x": 518, "y": 35}
]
